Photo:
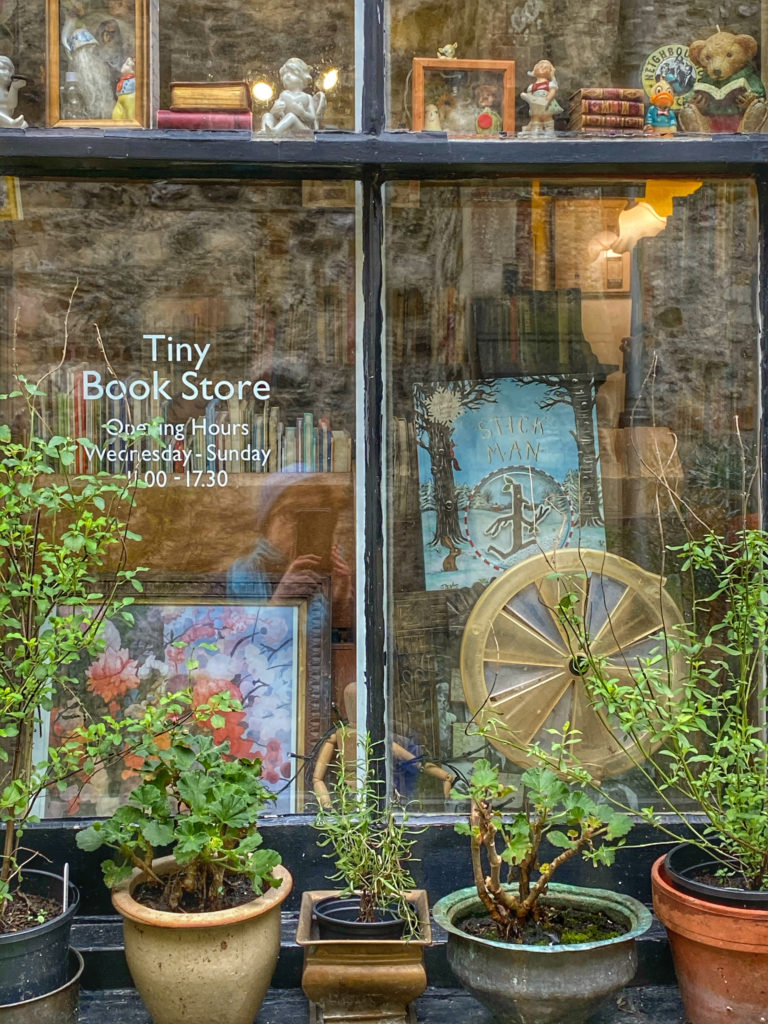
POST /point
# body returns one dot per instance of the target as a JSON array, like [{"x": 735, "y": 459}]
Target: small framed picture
[
  {"x": 98, "y": 63},
  {"x": 472, "y": 98}
]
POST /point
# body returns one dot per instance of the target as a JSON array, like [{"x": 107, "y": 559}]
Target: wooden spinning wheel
[{"x": 517, "y": 663}]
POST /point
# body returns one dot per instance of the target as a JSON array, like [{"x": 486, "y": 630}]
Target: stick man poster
[{"x": 507, "y": 468}]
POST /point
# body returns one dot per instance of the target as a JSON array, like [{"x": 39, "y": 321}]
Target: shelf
[{"x": 78, "y": 152}]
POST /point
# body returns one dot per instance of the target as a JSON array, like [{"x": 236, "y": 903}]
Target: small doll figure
[
  {"x": 125, "y": 108},
  {"x": 9, "y": 93},
  {"x": 295, "y": 112},
  {"x": 540, "y": 97},
  {"x": 660, "y": 118},
  {"x": 447, "y": 52},
  {"x": 488, "y": 120},
  {"x": 432, "y": 121}
]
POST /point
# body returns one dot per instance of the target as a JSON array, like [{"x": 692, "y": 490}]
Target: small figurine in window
[
  {"x": 540, "y": 97},
  {"x": 83, "y": 50},
  {"x": 447, "y": 52},
  {"x": 488, "y": 120},
  {"x": 9, "y": 94},
  {"x": 125, "y": 108},
  {"x": 660, "y": 118},
  {"x": 432, "y": 121},
  {"x": 295, "y": 112}
]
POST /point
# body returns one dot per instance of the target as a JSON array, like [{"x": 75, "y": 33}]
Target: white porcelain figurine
[
  {"x": 9, "y": 95},
  {"x": 295, "y": 112}
]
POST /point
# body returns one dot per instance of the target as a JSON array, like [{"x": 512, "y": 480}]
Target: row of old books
[
  {"x": 238, "y": 435},
  {"x": 601, "y": 109},
  {"x": 208, "y": 106}
]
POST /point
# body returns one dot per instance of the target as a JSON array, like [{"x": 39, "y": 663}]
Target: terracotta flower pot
[
  {"x": 720, "y": 954},
  {"x": 201, "y": 967}
]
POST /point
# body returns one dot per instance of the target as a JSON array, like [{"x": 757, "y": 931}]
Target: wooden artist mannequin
[{"x": 344, "y": 742}]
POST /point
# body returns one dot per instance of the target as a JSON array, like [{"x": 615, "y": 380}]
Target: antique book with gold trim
[{"x": 210, "y": 96}]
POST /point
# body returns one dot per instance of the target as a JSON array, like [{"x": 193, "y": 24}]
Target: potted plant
[
  {"x": 699, "y": 741},
  {"x": 363, "y": 944},
  {"x": 201, "y": 924},
  {"x": 63, "y": 562},
  {"x": 531, "y": 950}
]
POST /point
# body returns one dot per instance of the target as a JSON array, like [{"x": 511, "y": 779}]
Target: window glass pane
[
  {"x": 226, "y": 313},
  {"x": 110, "y": 63},
  {"x": 524, "y": 66},
  {"x": 572, "y": 368}
]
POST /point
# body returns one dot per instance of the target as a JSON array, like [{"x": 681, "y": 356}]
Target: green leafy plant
[
  {"x": 193, "y": 799},
  {"x": 369, "y": 841},
  {"x": 63, "y": 570},
  {"x": 699, "y": 739},
  {"x": 509, "y": 874}
]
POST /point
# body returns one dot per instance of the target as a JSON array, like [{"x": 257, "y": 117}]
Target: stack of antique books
[
  {"x": 208, "y": 106},
  {"x": 601, "y": 110}
]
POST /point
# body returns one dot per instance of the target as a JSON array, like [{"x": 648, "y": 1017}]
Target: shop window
[
  {"x": 222, "y": 315},
  {"x": 111, "y": 63},
  {"x": 577, "y": 69},
  {"x": 572, "y": 368}
]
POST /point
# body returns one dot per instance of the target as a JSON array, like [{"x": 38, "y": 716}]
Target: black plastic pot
[
  {"x": 685, "y": 862},
  {"x": 36, "y": 961},
  {"x": 337, "y": 919},
  {"x": 57, "y": 1007}
]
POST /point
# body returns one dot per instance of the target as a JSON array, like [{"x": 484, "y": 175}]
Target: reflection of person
[
  {"x": 295, "y": 111},
  {"x": 9, "y": 94},
  {"x": 343, "y": 746}
]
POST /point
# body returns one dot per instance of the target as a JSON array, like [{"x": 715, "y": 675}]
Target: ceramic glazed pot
[
  {"x": 362, "y": 981},
  {"x": 201, "y": 967},
  {"x": 524, "y": 984},
  {"x": 34, "y": 962},
  {"x": 720, "y": 954}
]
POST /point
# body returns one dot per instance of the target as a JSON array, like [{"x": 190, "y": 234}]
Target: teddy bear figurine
[{"x": 729, "y": 95}]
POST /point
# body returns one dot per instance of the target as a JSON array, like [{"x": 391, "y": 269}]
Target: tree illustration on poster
[
  {"x": 578, "y": 391},
  {"x": 507, "y": 466},
  {"x": 437, "y": 409}
]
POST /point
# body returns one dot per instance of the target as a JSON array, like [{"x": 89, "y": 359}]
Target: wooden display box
[
  {"x": 456, "y": 90},
  {"x": 89, "y": 83}
]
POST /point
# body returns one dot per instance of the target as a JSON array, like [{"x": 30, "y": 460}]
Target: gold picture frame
[
  {"x": 90, "y": 46},
  {"x": 458, "y": 82}
]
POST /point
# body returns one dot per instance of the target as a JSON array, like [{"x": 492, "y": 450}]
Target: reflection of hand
[
  {"x": 303, "y": 569},
  {"x": 342, "y": 577}
]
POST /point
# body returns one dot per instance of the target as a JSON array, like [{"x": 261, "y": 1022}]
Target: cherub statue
[
  {"x": 9, "y": 94},
  {"x": 295, "y": 111},
  {"x": 540, "y": 97}
]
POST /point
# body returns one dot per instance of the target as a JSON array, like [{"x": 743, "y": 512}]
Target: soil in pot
[
  {"x": 696, "y": 872},
  {"x": 28, "y": 910},
  {"x": 557, "y": 926},
  {"x": 236, "y": 890}
]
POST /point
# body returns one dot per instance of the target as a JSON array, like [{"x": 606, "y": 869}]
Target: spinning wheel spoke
[
  {"x": 525, "y": 708},
  {"x": 631, "y": 621},
  {"x": 513, "y": 640}
]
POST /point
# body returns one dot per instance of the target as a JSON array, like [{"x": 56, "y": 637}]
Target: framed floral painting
[{"x": 269, "y": 646}]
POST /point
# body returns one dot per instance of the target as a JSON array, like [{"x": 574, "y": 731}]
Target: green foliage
[
  {"x": 702, "y": 740},
  {"x": 370, "y": 843},
  {"x": 191, "y": 797},
  {"x": 509, "y": 874},
  {"x": 63, "y": 570}
]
